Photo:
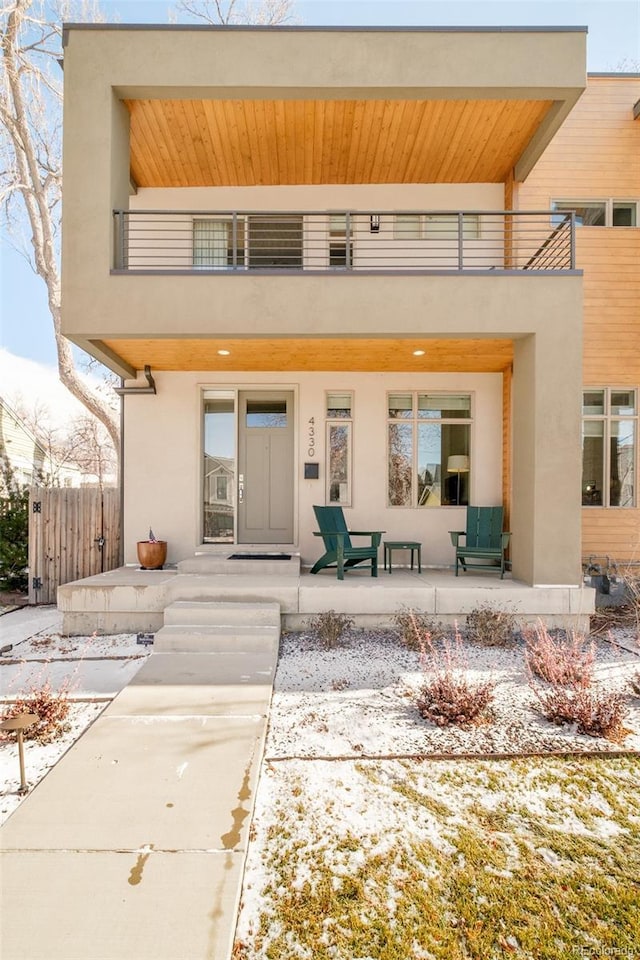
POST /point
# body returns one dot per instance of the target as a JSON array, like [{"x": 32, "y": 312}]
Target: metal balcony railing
[{"x": 232, "y": 242}]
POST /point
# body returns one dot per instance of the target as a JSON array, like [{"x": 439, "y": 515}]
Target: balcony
[{"x": 345, "y": 242}]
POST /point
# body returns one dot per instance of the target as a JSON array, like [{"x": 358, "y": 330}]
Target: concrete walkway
[{"x": 133, "y": 846}]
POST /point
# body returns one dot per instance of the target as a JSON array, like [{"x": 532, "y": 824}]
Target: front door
[{"x": 265, "y": 466}]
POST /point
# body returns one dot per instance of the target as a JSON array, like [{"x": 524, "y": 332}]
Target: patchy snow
[{"x": 86, "y": 669}]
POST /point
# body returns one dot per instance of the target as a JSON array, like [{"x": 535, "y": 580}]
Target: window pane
[
  {"x": 266, "y": 413},
  {"x": 443, "y": 451},
  {"x": 622, "y": 480},
  {"x": 275, "y": 242},
  {"x": 339, "y": 447},
  {"x": 400, "y": 464},
  {"x": 450, "y": 407},
  {"x": 339, "y": 405},
  {"x": 400, "y": 406},
  {"x": 624, "y": 214},
  {"x": 445, "y": 227},
  {"x": 219, "y": 468},
  {"x": 456, "y": 463},
  {"x": 623, "y": 402},
  {"x": 337, "y": 224},
  {"x": 588, "y": 214},
  {"x": 593, "y": 402},
  {"x": 213, "y": 243},
  {"x": 407, "y": 226},
  {"x": 592, "y": 462}
]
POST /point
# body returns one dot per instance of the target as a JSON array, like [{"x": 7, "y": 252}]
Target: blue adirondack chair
[
  {"x": 340, "y": 552},
  {"x": 485, "y": 541}
]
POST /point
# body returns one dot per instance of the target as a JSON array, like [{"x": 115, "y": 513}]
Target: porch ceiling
[
  {"x": 361, "y": 355},
  {"x": 203, "y": 143}
]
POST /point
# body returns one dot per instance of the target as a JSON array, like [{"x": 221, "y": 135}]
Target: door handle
[{"x": 240, "y": 488}]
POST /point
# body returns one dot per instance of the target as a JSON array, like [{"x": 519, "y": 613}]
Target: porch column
[{"x": 546, "y": 511}]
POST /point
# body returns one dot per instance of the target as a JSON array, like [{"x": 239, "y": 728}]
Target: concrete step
[
  {"x": 207, "y": 639},
  {"x": 193, "y": 613},
  {"x": 214, "y": 563}
]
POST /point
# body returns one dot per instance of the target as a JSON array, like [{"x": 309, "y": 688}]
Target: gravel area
[{"x": 359, "y": 700}]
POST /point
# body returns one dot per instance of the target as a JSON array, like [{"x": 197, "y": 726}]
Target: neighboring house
[
  {"x": 27, "y": 456},
  {"x": 302, "y": 234},
  {"x": 592, "y": 166}
]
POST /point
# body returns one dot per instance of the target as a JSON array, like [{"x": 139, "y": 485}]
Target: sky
[{"x": 613, "y": 43}]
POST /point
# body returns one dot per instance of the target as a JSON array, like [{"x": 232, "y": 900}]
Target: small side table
[{"x": 413, "y": 545}]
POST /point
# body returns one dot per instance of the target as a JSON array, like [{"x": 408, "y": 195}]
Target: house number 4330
[{"x": 311, "y": 437}]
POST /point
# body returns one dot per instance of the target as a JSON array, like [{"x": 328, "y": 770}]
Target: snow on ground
[
  {"x": 89, "y": 670},
  {"x": 359, "y": 699}
]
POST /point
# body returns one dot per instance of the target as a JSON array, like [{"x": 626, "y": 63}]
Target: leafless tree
[
  {"x": 31, "y": 163},
  {"x": 266, "y": 13}
]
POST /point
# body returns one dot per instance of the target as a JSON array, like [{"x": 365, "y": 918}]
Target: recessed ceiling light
[
  {"x": 224, "y": 353},
  {"x": 418, "y": 353}
]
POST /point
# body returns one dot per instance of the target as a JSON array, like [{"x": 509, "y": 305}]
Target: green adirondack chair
[
  {"x": 340, "y": 552},
  {"x": 485, "y": 541}
]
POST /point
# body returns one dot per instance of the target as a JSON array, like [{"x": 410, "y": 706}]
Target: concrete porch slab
[
  {"x": 371, "y": 600},
  {"x": 365, "y": 595},
  {"x": 173, "y": 782},
  {"x": 199, "y": 685},
  {"x": 118, "y": 905}
]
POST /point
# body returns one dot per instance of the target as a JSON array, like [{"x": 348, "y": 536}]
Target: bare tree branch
[
  {"x": 231, "y": 12},
  {"x": 30, "y": 146}
]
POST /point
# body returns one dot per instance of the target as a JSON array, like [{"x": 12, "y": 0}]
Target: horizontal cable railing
[{"x": 197, "y": 241}]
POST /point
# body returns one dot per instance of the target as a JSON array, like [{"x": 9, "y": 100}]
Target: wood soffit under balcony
[
  {"x": 192, "y": 143},
  {"x": 360, "y": 355}
]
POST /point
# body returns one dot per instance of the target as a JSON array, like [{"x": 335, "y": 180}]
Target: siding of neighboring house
[
  {"x": 596, "y": 156},
  {"x": 27, "y": 457}
]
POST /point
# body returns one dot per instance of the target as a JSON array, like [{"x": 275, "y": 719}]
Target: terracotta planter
[{"x": 152, "y": 554}]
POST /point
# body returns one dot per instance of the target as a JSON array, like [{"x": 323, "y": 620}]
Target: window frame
[
  {"x": 330, "y": 423},
  {"x": 415, "y": 422},
  {"x": 607, "y": 418},
  {"x": 606, "y": 202}
]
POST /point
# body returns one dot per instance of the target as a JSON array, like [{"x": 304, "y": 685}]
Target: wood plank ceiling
[
  {"x": 189, "y": 143},
  {"x": 307, "y": 354}
]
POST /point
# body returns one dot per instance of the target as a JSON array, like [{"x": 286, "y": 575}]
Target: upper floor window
[
  {"x": 429, "y": 438},
  {"x": 598, "y": 213},
  {"x": 609, "y": 447},
  {"x": 435, "y": 226},
  {"x": 213, "y": 242}
]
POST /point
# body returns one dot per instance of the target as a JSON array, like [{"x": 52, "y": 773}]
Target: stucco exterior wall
[{"x": 163, "y": 457}]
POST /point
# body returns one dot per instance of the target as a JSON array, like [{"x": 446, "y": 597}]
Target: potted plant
[{"x": 152, "y": 553}]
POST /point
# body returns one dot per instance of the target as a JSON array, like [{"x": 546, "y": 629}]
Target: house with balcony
[{"x": 302, "y": 250}]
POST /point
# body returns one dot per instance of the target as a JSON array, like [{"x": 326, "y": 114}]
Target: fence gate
[{"x": 73, "y": 533}]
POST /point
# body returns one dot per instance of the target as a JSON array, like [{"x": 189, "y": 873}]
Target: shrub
[
  {"x": 51, "y": 708},
  {"x": 411, "y": 626},
  {"x": 624, "y": 614},
  {"x": 562, "y": 662},
  {"x": 14, "y": 530},
  {"x": 329, "y": 627},
  {"x": 595, "y": 713},
  {"x": 491, "y": 628},
  {"x": 449, "y": 696}
]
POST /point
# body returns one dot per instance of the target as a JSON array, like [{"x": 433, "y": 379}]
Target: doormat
[{"x": 260, "y": 556}]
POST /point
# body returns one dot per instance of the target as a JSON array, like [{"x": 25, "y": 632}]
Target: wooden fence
[{"x": 73, "y": 533}]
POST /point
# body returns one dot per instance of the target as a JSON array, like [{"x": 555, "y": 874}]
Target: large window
[
  {"x": 429, "y": 437},
  {"x": 598, "y": 213},
  {"x": 339, "y": 412},
  {"x": 609, "y": 447}
]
